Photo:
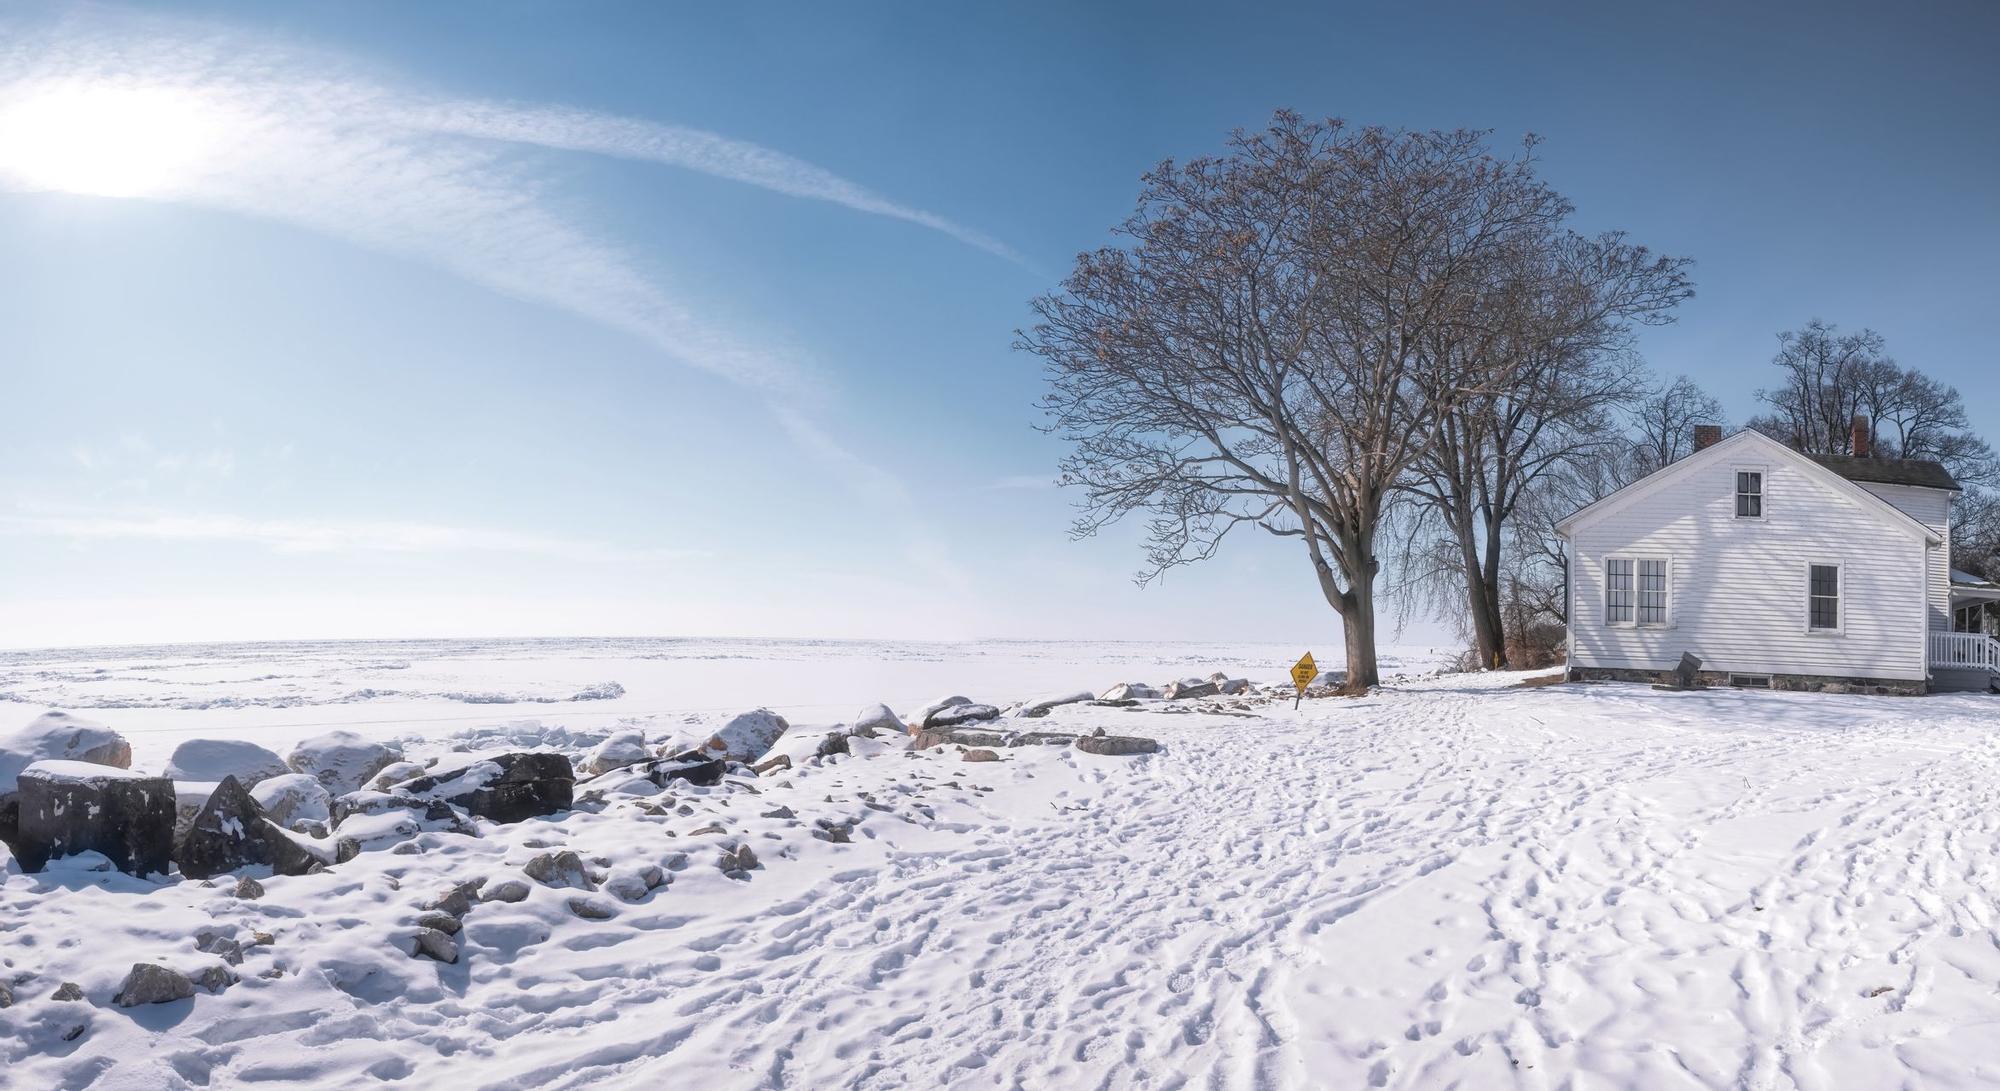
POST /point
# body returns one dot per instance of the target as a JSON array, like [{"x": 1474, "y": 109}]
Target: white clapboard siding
[
  {"x": 1932, "y": 508},
  {"x": 1738, "y": 596}
]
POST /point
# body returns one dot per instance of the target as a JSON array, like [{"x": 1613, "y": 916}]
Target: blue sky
[{"x": 381, "y": 319}]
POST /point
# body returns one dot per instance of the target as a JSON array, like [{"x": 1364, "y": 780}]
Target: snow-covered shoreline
[{"x": 1456, "y": 881}]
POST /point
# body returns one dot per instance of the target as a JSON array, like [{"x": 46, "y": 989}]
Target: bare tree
[
  {"x": 1262, "y": 351},
  {"x": 1549, "y": 352},
  {"x": 1663, "y": 423},
  {"x": 1825, "y": 375}
]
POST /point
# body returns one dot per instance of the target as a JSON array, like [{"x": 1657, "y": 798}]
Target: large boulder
[
  {"x": 231, "y": 832},
  {"x": 924, "y": 714},
  {"x": 152, "y": 983},
  {"x": 1130, "y": 691},
  {"x": 342, "y": 760},
  {"x": 693, "y": 767},
  {"x": 1116, "y": 745},
  {"x": 213, "y": 759},
  {"x": 747, "y": 737},
  {"x": 966, "y": 713},
  {"x": 1188, "y": 688},
  {"x": 878, "y": 720},
  {"x": 59, "y": 736},
  {"x": 1039, "y": 708},
  {"x": 620, "y": 750},
  {"x": 505, "y": 787},
  {"x": 294, "y": 799},
  {"x": 68, "y": 807}
]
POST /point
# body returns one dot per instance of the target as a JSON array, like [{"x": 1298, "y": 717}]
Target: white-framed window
[
  {"x": 1823, "y": 594},
  {"x": 1652, "y": 590},
  {"x": 1638, "y": 591},
  {"x": 1749, "y": 492}
]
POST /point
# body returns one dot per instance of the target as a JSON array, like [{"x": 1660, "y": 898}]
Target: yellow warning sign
[{"x": 1304, "y": 671}]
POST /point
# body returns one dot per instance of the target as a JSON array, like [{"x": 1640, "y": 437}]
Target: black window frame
[{"x": 1823, "y": 593}]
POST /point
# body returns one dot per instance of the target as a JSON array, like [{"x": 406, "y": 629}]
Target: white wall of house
[
  {"x": 1932, "y": 508},
  {"x": 1738, "y": 587}
]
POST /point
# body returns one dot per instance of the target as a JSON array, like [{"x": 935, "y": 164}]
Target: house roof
[
  {"x": 1890, "y": 471},
  {"x": 1730, "y": 448}
]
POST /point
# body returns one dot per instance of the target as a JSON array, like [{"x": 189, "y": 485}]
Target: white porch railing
[{"x": 1965, "y": 651}]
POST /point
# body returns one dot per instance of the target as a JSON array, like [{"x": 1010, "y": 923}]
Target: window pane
[
  {"x": 1749, "y": 495},
  {"x": 1618, "y": 590},
  {"x": 1824, "y": 596},
  {"x": 1652, "y": 592}
]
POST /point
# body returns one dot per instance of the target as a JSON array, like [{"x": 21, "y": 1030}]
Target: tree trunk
[
  {"x": 1483, "y": 608},
  {"x": 1357, "y": 617}
]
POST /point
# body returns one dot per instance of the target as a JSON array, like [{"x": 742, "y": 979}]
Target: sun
[{"x": 103, "y": 139}]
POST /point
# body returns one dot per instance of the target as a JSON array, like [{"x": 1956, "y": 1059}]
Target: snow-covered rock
[
  {"x": 960, "y": 714},
  {"x": 924, "y": 714},
  {"x": 1130, "y": 691},
  {"x": 394, "y": 773},
  {"x": 60, "y": 736},
  {"x": 342, "y": 760},
  {"x": 620, "y": 750},
  {"x": 152, "y": 983},
  {"x": 293, "y": 799},
  {"x": 746, "y": 737},
  {"x": 878, "y": 720},
  {"x": 231, "y": 832},
  {"x": 506, "y": 787},
  {"x": 1188, "y": 688},
  {"x": 1040, "y": 707},
  {"x": 212, "y": 759}
]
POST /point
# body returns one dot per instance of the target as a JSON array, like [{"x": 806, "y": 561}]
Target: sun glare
[{"x": 107, "y": 140}]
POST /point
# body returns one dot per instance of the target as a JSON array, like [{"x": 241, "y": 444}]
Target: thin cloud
[
  {"x": 681, "y": 146},
  {"x": 316, "y": 536},
  {"x": 273, "y": 132}
]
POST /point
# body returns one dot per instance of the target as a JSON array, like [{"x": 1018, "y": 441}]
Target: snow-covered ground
[{"x": 1456, "y": 882}]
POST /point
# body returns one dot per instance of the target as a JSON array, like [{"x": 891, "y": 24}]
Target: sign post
[{"x": 1303, "y": 672}]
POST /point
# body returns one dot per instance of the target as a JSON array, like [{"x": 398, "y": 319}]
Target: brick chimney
[
  {"x": 1706, "y": 436},
  {"x": 1862, "y": 435}
]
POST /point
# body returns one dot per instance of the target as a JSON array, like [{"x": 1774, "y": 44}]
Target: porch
[{"x": 1968, "y": 657}]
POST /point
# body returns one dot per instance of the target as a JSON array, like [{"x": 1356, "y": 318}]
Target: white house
[{"x": 1778, "y": 569}]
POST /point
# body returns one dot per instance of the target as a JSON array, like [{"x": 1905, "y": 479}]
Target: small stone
[
  {"x": 433, "y": 944},
  {"x": 214, "y": 978},
  {"x": 838, "y": 833},
  {"x": 781, "y": 812},
  {"x": 68, "y": 990},
  {"x": 627, "y": 886},
  {"x": 980, "y": 755},
  {"x": 506, "y": 890},
  {"x": 714, "y": 827},
  {"x": 406, "y": 848},
  {"x": 263, "y": 939},
  {"x": 215, "y": 941},
  {"x": 592, "y": 909},
  {"x": 564, "y": 868},
  {"x": 457, "y": 900},
  {"x": 773, "y": 765},
  {"x": 443, "y": 922},
  {"x": 6, "y": 995},
  {"x": 152, "y": 983},
  {"x": 835, "y": 743},
  {"x": 737, "y": 861},
  {"x": 652, "y": 876}
]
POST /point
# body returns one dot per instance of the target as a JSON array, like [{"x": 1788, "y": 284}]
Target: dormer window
[{"x": 1749, "y": 494}]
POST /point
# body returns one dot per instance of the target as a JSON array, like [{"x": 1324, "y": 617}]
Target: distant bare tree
[
  {"x": 1263, "y": 350},
  {"x": 1662, "y": 423},
  {"x": 1549, "y": 353},
  {"x": 1825, "y": 374}
]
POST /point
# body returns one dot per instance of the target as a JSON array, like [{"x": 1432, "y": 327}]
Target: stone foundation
[{"x": 1813, "y": 683}]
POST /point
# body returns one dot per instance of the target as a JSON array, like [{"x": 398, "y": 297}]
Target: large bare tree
[
  {"x": 1548, "y": 350},
  {"x": 1261, "y": 350}
]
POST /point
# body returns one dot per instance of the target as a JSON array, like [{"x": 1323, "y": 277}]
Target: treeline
[{"x": 1382, "y": 342}]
